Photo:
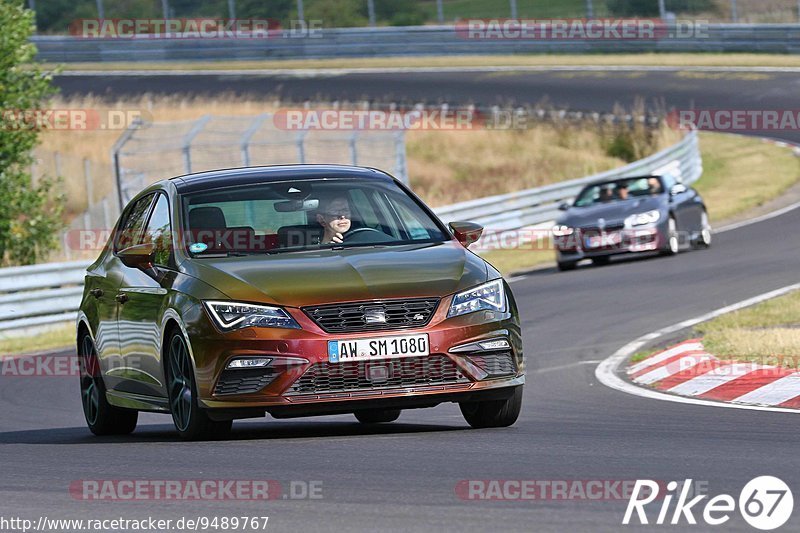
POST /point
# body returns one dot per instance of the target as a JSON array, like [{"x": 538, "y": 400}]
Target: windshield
[
  {"x": 619, "y": 190},
  {"x": 292, "y": 216}
]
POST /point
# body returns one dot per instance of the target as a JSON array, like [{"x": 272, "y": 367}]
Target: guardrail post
[
  {"x": 244, "y": 143},
  {"x": 301, "y": 149},
  {"x": 87, "y": 175},
  {"x": 106, "y": 215},
  {"x": 115, "y": 156},
  {"x": 353, "y": 148},
  {"x": 400, "y": 156},
  {"x": 187, "y": 141}
]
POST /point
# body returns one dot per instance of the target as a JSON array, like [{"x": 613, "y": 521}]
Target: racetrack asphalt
[{"x": 402, "y": 476}]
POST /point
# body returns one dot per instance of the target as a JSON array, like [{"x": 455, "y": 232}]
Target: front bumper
[
  {"x": 583, "y": 245},
  {"x": 444, "y": 375}
]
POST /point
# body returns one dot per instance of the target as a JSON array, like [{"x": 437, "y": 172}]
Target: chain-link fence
[
  {"x": 84, "y": 183},
  {"x": 152, "y": 151}
]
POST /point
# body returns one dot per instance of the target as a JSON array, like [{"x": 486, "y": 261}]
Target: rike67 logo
[{"x": 766, "y": 503}]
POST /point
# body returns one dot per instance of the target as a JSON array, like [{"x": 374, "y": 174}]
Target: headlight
[
  {"x": 640, "y": 219},
  {"x": 490, "y": 296},
  {"x": 235, "y": 315},
  {"x": 562, "y": 231}
]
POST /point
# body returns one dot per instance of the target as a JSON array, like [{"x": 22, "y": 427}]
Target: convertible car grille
[
  {"x": 595, "y": 230},
  {"x": 355, "y": 375},
  {"x": 496, "y": 363},
  {"x": 243, "y": 381},
  {"x": 372, "y": 316}
]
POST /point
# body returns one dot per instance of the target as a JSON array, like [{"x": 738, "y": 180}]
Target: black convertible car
[{"x": 630, "y": 215}]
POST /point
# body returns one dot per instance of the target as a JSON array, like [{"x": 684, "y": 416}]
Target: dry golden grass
[
  {"x": 754, "y": 11},
  {"x": 730, "y": 164},
  {"x": 647, "y": 59},
  {"x": 75, "y": 146},
  {"x": 768, "y": 333},
  {"x": 57, "y": 337},
  {"x": 444, "y": 166}
]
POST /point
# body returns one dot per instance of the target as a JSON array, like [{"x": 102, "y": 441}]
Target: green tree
[{"x": 30, "y": 215}]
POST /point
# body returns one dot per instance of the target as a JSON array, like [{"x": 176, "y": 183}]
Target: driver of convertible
[{"x": 334, "y": 216}]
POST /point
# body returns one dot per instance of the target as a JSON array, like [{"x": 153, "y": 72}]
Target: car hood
[
  {"x": 612, "y": 213},
  {"x": 326, "y": 276}
]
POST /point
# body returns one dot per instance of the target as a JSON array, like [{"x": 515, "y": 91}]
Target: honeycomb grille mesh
[
  {"x": 353, "y": 317},
  {"x": 353, "y": 375},
  {"x": 495, "y": 363}
]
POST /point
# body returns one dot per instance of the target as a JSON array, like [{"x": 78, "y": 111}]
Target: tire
[
  {"x": 673, "y": 244},
  {"x": 101, "y": 417},
  {"x": 567, "y": 265},
  {"x": 601, "y": 261},
  {"x": 493, "y": 413},
  {"x": 705, "y": 236},
  {"x": 191, "y": 421},
  {"x": 377, "y": 416}
]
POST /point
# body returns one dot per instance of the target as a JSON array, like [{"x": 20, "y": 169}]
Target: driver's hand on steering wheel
[{"x": 338, "y": 238}]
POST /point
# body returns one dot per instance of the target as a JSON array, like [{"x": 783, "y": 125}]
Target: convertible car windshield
[
  {"x": 290, "y": 216},
  {"x": 619, "y": 190}
]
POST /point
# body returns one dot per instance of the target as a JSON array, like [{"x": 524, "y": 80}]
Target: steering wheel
[{"x": 349, "y": 236}]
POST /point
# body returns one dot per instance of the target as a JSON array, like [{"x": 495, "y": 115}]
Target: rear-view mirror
[{"x": 466, "y": 232}]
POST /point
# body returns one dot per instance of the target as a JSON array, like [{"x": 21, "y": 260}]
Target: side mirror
[
  {"x": 466, "y": 232},
  {"x": 139, "y": 256},
  {"x": 678, "y": 188},
  {"x": 563, "y": 206}
]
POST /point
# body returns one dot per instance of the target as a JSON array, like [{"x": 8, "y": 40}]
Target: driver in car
[{"x": 334, "y": 216}]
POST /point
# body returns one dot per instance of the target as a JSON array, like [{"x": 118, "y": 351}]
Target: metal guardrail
[
  {"x": 408, "y": 40},
  {"x": 40, "y": 294},
  {"x": 50, "y": 293},
  {"x": 536, "y": 206}
]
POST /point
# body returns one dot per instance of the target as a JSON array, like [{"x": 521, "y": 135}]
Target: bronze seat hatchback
[{"x": 292, "y": 290}]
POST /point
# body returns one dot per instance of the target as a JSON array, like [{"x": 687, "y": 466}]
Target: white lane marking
[
  {"x": 756, "y": 220},
  {"x": 516, "y": 278},
  {"x": 714, "y": 378},
  {"x": 313, "y": 72},
  {"x": 666, "y": 354},
  {"x": 663, "y": 372},
  {"x": 606, "y": 372},
  {"x": 774, "y": 393}
]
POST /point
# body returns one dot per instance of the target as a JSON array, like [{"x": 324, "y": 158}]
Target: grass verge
[
  {"x": 544, "y": 60},
  {"x": 767, "y": 333},
  {"x": 58, "y": 337},
  {"x": 730, "y": 162}
]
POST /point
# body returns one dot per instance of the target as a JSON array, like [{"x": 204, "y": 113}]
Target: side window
[
  {"x": 363, "y": 208},
  {"x": 416, "y": 229},
  {"x": 131, "y": 228},
  {"x": 669, "y": 181},
  {"x": 159, "y": 231}
]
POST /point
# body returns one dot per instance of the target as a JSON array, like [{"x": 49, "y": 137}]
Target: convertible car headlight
[
  {"x": 562, "y": 231},
  {"x": 490, "y": 296},
  {"x": 235, "y": 315},
  {"x": 640, "y": 219}
]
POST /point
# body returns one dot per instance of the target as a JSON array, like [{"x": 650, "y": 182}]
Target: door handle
[
  {"x": 121, "y": 297},
  {"x": 97, "y": 293}
]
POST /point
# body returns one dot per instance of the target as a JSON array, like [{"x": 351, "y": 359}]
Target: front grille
[
  {"x": 243, "y": 381},
  {"x": 353, "y": 317},
  {"x": 495, "y": 364},
  {"x": 595, "y": 230},
  {"x": 401, "y": 372}
]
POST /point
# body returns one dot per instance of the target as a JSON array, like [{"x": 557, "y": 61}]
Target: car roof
[{"x": 251, "y": 175}]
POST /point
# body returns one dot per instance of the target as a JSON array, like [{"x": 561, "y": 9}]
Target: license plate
[
  {"x": 377, "y": 348},
  {"x": 602, "y": 241}
]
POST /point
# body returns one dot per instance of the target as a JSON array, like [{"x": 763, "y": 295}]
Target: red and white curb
[
  {"x": 687, "y": 369},
  {"x": 761, "y": 397}
]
